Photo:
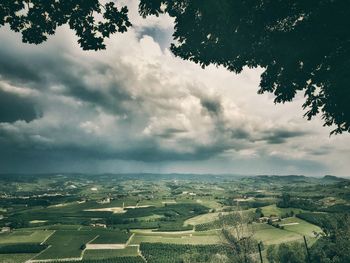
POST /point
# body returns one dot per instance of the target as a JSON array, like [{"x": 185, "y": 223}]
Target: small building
[
  {"x": 99, "y": 225},
  {"x": 106, "y": 200},
  {"x": 263, "y": 219}
]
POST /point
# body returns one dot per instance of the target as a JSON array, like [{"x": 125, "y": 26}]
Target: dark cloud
[
  {"x": 148, "y": 107},
  {"x": 42, "y": 70},
  {"x": 16, "y": 67},
  {"x": 241, "y": 133},
  {"x": 15, "y": 108},
  {"x": 211, "y": 105},
  {"x": 279, "y": 136},
  {"x": 170, "y": 132},
  {"x": 323, "y": 150}
]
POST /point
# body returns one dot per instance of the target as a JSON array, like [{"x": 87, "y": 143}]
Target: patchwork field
[{"x": 175, "y": 218}]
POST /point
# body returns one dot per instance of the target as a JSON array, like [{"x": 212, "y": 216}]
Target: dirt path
[{"x": 105, "y": 246}]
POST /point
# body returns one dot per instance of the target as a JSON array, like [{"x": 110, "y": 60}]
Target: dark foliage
[
  {"x": 37, "y": 19},
  {"x": 302, "y": 46},
  {"x": 287, "y": 253},
  {"x": 334, "y": 246}
]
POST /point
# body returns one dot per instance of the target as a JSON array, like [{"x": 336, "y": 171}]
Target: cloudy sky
[{"x": 136, "y": 108}]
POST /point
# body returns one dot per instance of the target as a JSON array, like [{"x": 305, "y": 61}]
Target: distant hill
[{"x": 332, "y": 178}]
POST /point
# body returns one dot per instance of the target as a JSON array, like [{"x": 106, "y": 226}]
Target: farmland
[
  {"x": 25, "y": 236},
  {"x": 160, "y": 218},
  {"x": 131, "y": 251},
  {"x": 66, "y": 244}
]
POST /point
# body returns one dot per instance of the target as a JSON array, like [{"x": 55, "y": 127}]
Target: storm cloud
[{"x": 135, "y": 107}]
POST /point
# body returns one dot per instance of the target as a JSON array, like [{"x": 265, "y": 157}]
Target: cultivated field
[
  {"x": 25, "y": 236},
  {"x": 166, "y": 219},
  {"x": 130, "y": 251},
  {"x": 66, "y": 244}
]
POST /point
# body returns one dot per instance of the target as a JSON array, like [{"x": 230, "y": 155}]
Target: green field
[
  {"x": 270, "y": 235},
  {"x": 294, "y": 232},
  {"x": 273, "y": 210},
  {"x": 205, "y": 218},
  {"x": 300, "y": 226},
  {"x": 129, "y": 251},
  {"x": 110, "y": 237},
  {"x": 195, "y": 238},
  {"x": 15, "y": 258},
  {"x": 66, "y": 244},
  {"x": 25, "y": 236}
]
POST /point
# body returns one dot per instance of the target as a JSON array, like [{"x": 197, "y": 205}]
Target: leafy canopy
[
  {"x": 36, "y": 19},
  {"x": 303, "y": 46}
]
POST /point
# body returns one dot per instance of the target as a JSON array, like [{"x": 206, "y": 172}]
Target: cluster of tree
[
  {"x": 286, "y": 201},
  {"x": 334, "y": 245},
  {"x": 288, "y": 214},
  {"x": 319, "y": 219},
  {"x": 274, "y": 224},
  {"x": 294, "y": 252},
  {"x": 244, "y": 246},
  {"x": 258, "y": 213},
  {"x": 302, "y": 46},
  {"x": 15, "y": 222},
  {"x": 239, "y": 234}
]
